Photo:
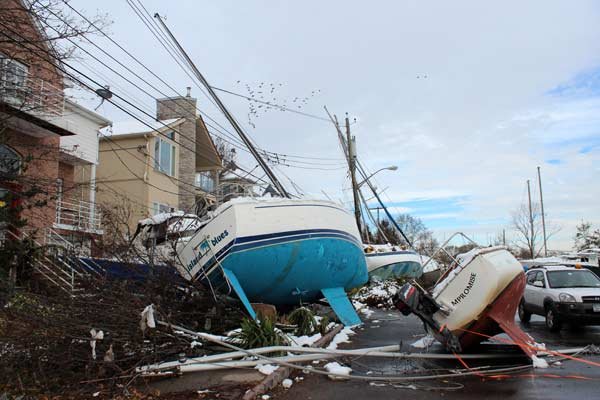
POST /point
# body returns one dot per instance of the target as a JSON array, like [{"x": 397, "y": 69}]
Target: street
[{"x": 389, "y": 327}]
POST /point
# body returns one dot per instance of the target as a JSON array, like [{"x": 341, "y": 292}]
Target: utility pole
[
  {"x": 352, "y": 164},
  {"x": 543, "y": 215},
  {"x": 504, "y": 237},
  {"x": 531, "y": 244}
]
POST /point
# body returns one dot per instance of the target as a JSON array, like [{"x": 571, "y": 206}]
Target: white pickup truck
[{"x": 561, "y": 294}]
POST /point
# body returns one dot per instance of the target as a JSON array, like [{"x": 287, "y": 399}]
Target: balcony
[
  {"x": 34, "y": 96},
  {"x": 78, "y": 215}
]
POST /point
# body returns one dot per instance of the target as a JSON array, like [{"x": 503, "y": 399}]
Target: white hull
[{"x": 468, "y": 290}]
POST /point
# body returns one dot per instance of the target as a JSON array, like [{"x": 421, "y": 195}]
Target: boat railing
[{"x": 442, "y": 248}]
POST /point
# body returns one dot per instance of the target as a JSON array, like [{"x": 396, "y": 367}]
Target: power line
[
  {"x": 138, "y": 12},
  {"x": 271, "y": 104}
]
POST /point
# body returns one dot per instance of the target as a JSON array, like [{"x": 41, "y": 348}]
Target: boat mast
[
  {"x": 542, "y": 209},
  {"x": 278, "y": 186}
]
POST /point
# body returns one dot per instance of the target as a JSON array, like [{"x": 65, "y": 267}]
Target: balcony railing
[
  {"x": 34, "y": 96},
  {"x": 78, "y": 215}
]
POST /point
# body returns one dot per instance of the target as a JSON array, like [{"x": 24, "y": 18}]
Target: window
[
  {"x": 205, "y": 181},
  {"x": 164, "y": 156},
  {"x": 573, "y": 279},
  {"x": 10, "y": 161},
  {"x": 540, "y": 278},
  {"x": 159, "y": 208},
  {"x": 13, "y": 77}
]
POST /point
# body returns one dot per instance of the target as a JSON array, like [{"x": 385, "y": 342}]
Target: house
[
  {"x": 48, "y": 143},
  {"x": 158, "y": 166}
]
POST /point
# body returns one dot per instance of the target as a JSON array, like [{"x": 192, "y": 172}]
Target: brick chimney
[{"x": 183, "y": 107}]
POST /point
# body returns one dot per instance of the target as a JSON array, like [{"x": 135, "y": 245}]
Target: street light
[{"x": 391, "y": 168}]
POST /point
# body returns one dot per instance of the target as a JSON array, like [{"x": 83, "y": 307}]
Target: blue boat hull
[
  {"x": 398, "y": 270},
  {"x": 294, "y": 271}
]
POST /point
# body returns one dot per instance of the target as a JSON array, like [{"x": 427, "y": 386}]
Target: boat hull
[
  {"x": 499, "y": 317},
  {"x": 475, "y": 301},
  {"x": 282, "y": 252},
  {"x": 394, "y": 265}
]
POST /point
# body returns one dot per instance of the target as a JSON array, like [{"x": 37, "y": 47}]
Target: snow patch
[
  {"x": 336, "y": 368},
  {"x": 304, "y": 340},
  {"x": 424, "y": 342},
  {"x": 342, "y": 337},
  {"x": 266, "y": 369},
  {"x": 539, "y": 362}
]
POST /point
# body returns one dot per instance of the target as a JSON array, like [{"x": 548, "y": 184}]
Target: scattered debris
[
  {"x": 287, "y": 383},
  {"x": 376, "y": 294}
]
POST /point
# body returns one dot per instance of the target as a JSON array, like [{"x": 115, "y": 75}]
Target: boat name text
[
  {"x": 217, "y": 239},
  {"x": 465, "y": 292}
]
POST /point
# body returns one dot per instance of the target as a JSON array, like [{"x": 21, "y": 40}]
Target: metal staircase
[{"x": 59, "y": 264}]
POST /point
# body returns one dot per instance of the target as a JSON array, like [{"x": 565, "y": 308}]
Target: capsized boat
[
  {"x": 278, "y": 251},
  {"x": 390, "y": 262},
  {"x": 474, "y": 301}
]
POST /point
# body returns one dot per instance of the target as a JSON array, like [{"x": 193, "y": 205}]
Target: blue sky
[{"x": 466, "y": 97}]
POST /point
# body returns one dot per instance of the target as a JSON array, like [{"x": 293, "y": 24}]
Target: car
[{"x": 561, "y": 294}]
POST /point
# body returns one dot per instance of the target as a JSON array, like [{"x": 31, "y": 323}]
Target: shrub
[
  {"x": 304, "y": 319},
  {"x": 263, "y": 333}
]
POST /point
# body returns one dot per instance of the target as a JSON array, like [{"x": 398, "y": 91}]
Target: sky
[{"x": 467, "y": 98}]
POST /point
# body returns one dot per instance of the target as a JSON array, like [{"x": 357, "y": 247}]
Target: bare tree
[{"x": 528, "y": 226}]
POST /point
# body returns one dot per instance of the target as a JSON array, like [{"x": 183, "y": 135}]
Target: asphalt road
[{"x": 570, "y": 378}]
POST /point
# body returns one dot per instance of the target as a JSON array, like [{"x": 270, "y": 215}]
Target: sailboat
[
  {"x": 389, "y": 262},
  {"x": 280, "y": 250}
]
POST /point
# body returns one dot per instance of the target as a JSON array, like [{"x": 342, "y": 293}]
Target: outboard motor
[{"x": 411, "y": 298}]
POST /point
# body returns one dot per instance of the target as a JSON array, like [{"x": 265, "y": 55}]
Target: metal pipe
[{"x": 392, "y": 378}]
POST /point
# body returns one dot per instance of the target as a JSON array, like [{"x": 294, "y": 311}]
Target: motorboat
[{"x": 473, "y": 301}]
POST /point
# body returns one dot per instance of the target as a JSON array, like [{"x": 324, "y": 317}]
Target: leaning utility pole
[
  {"x": 543, "y": 216},
  {"x": 352, "y": 165},
  {"x": 531, "y": 236}
]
